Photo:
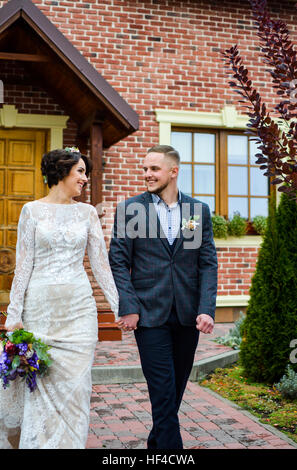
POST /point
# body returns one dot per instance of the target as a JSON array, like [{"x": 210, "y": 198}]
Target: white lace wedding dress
[{"x": 52, "y": 295}]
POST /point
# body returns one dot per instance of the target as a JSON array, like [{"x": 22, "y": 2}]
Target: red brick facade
[
  {"x": 236, "y": 267},
  {"x": 158, "y": 54}
]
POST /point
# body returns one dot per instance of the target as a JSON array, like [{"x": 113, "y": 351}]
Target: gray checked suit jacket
[{"x": 149, "y": 275}]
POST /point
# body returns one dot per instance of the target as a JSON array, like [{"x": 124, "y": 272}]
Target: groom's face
[{"x": 159, "y": 172}]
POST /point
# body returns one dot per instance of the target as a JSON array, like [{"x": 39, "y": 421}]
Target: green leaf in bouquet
[
  {"x": 16, "y": 362},
  {"x": 21, "y": 336},
  {"x": 43, "y": 369},
  {"x": 41, "y": 351}
]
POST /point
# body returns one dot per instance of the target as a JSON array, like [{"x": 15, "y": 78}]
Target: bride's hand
[{"x": 16, "y": 326}]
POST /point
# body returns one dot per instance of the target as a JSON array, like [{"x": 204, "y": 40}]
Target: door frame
[{"x": 55, "y": 124}]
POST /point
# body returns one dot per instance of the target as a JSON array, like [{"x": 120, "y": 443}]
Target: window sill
[
  {"x": 232, "y": 300},
  {"x": 247, "y": 240}
]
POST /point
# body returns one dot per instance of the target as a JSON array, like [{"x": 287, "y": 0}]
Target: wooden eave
[{"x": 59, "y": 68}]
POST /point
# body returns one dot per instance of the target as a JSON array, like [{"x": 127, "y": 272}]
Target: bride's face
[{"x": 75, "y": 181}]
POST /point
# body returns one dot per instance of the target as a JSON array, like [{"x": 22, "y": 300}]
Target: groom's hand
[
  {"x": 204, "y": 323},
  {"x": 128, "y": 322}
]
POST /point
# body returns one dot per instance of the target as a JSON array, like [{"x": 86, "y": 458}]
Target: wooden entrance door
[{"x": 20, "y": 181}]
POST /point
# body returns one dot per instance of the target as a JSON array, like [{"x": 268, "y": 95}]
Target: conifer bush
[{"x": 271, "y": 317}]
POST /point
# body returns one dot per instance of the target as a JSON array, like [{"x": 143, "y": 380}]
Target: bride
[{"x": 51, "y": 296}]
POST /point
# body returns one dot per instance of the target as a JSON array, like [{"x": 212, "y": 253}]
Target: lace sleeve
[
  {"x": 23, "y": 268},
  {"x": 98, "y": 257}
]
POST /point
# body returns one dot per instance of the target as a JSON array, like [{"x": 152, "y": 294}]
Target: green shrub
[
  {"x": 260, "y": 223},
  {"x": 233, "y": 337},
  {"x": 237, "y": 226},
  {"x": 288, "y": 384},
  {"x": 220, "y": 226},
  {"x": 271, "y": 321}
]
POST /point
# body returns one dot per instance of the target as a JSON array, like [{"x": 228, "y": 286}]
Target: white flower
[
  {"x": 72, "y": 149},
  {"x": 190, "y": 224},
  {"x": 29, "y": 354}
]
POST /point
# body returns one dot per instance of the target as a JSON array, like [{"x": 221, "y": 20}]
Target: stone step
[{"x": 108, "y": 330}]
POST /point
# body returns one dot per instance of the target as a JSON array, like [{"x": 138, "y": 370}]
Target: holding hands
[
  {"x": 204, "y": 322},
  {"x": 128, "y": 322}
]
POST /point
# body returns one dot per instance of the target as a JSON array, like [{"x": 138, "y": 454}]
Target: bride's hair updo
[{"x": 57, "y": 164}]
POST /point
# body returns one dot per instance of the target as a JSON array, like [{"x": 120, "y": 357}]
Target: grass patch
[{"x": 262, "y": 400}]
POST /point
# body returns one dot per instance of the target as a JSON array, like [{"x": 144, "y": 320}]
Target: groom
[{"x": 165, "y": 268}]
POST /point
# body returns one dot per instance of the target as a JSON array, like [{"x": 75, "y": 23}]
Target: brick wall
[
  {"x": 236, "y": 267},
  {"x": 158, "y": 54},
  {"x": 26, "y": 94}
]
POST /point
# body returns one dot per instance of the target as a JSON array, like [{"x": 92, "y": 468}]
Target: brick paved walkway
[
  {"x": 120, "y": 419},
  {"x": 120, "y": 415},
  {"x": 119, "y": 353}
]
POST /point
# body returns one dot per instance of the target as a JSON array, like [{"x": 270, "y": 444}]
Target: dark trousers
[{"x": 167, "y": 354}]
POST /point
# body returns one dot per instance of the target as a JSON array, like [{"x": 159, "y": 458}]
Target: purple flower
[
  {"x": 21, "y": 371},
  {"x": 5, "y": 381},
  {"x": 32, "y": 361},
  {"x": 4, "y": 363},
  {"x": 3, "y": 369},
  {"x": 31, "y": 381},
  {"x": 4, "y": 358},
  {"x": 22, "y": 347},
  {"x": 12, "y": 374}
]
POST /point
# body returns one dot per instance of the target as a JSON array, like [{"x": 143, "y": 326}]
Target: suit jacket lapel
[
  {"x": 180, "y": 237},
  {"x": 153, "y": 222},
  {"x": 183, "y": 214}
]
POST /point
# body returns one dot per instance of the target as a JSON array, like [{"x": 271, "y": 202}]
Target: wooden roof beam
[{"x": 23, "y": 57}]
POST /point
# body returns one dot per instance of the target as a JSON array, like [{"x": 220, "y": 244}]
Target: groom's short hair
[{"x": 168, "y": 151}]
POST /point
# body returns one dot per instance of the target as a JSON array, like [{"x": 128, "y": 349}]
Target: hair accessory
[
  {"x": 72, "y": 149},
  {"x": 45, "y": 179}
]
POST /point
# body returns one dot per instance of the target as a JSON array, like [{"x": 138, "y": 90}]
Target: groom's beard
[{"x": 157, "y": 190}]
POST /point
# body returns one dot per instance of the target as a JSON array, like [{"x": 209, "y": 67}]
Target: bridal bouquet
[{"x": 22, "y": 356}]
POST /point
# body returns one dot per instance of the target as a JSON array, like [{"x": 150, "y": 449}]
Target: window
[{"x": 218, "y": 167}]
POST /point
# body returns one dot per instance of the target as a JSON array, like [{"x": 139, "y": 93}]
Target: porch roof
[{"x": 27, "y": 35}]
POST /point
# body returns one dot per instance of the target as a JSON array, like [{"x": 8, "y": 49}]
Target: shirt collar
[{"x": 157, "y": 199}]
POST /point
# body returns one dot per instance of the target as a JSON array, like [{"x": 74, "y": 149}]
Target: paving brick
[
  {"x": 234, "y": 445},
  {"x": 221, "y": 436},
  {"x": 92, "y": 442},
  {"x": 198, "y": 432},
  {"x": 207, "y": 425}
]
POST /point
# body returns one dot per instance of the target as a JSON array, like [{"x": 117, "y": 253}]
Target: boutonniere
[{"x": 190, "y": 224}]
